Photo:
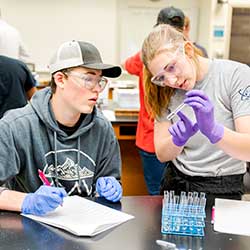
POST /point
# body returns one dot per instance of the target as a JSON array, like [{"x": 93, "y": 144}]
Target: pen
[
  {"x": 173, "y": 114},
  {"x": 213, "y": 215},
  {"x": 43, "y": 178},
  {"x": 166, "y": 244}
]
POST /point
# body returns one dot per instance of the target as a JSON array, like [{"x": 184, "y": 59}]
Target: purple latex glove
[
  {"x": 182, "y": 130},
  {"x": 109, "y": 188},
  {"x": 204, "y": 112}
]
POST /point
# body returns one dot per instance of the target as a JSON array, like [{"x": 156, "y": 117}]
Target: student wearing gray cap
[
  {"x": 61, "y": 134},
  {"x": 153, "y": 169}
]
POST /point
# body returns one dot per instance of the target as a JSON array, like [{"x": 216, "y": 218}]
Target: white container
[{"x": 127, "y": 98}]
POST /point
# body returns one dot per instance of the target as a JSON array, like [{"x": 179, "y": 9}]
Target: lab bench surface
[{"x": 140, "y": 233}]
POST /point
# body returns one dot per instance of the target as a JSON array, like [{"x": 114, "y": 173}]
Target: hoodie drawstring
[
  {"x": 78, "y": 164},
  {"x": 55, "y": 155}
]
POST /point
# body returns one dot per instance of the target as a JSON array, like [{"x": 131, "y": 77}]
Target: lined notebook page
[{"x": 82, "y": 217}]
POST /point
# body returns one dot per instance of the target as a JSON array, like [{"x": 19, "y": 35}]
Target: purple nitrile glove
[
  {"x": 109, "y": 188},
  {"x": 182, "y": 130},
  {"x": 204, "y": 112},
  {"x": 44, "y": 200}
]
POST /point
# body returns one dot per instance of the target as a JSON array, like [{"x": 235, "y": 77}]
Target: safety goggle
[
  {"x": 89, "y": 81},
  {"x": 168, "y": 75}
]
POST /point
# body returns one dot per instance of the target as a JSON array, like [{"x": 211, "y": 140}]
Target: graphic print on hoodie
[{"x": 70, "y": 170}]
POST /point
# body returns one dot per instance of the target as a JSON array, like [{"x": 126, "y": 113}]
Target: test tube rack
[{"x": 184, "y": 214}]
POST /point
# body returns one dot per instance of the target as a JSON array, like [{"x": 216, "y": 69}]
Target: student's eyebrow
[{"x": 91, "y": 73}]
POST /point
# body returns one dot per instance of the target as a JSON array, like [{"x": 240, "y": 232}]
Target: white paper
[
  {"x": 82, "y": 217},
  {"x": 232, "y": 216}
]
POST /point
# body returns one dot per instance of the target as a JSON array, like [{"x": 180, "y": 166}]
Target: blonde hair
[
  {"x": 162, "y": 37},
  {"x": 187, "y": 22}
]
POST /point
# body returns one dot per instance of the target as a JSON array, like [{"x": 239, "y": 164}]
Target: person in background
[
  {"x": 153, "y": 169},
  {"x": 186, "y": 32},
  {"x": 17, "y": 85},
  {"x": 208, "y": 141},
  {"x": 11, "y": 43},
  {"x": 61, "y": 133}
]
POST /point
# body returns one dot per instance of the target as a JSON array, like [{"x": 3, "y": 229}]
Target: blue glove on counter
[
  {"x": 109, "y": 188},
  {"x": 44, "y": 200}
]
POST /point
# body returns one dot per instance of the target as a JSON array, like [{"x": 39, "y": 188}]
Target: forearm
[
  {"x": 11, "y": 200},
  {"x": 166, "y": 150},
  {"x": 235, "y": 144}
]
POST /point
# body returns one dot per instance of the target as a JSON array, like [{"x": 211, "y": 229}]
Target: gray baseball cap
[{"x": 77, "y": 54}]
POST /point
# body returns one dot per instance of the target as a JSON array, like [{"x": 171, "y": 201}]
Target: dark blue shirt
[{"x": 15, "y": 80}]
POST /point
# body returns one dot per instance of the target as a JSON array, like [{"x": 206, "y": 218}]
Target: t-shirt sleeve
[
  {"x": 240, "y": 91},
  {"x": 4, "y": 92},
  {"x": 134, "y": 64},
  {"x": 30, "y": 80}
]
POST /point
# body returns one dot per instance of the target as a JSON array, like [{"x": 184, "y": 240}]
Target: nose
[
  {"x": 180, "y": 81},
  {"x": 97, "y": 88},
  {"x": 172, "y": 80}
]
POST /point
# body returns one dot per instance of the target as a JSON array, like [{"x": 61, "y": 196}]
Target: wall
[
  {"x": 46, "y": 24},
  {"x": 222, "y": 17},
  {"x": 136, "y": 19},
  {"x": 219, "y": 20},
  {"x": 204, "y": 34}
]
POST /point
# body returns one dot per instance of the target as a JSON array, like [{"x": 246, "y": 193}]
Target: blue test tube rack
[{"x": 184, "y": 214}]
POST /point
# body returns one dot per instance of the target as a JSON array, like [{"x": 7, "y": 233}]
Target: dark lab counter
[{"x": 141, "y": 233}]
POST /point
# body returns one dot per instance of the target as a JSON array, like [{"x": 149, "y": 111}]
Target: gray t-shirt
[{"x": 227, "y": 84}]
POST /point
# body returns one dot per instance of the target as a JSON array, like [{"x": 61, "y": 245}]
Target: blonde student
[{"x": 208, "y": 141}]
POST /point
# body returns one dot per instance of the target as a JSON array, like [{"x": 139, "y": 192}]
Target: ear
[
  {"x": 189, "y": 49},
  {"x": 59, "y": 78}
]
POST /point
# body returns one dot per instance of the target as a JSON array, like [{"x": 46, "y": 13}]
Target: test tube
[
  {"x": 196, "y": 201},
  {"x": 190, "y": 198},
  {"x": 189, "y": 203},
  {"x": 173, "y": 114},
  {"x": 171, "y": 202},
  {"x": 202, "y": 195},
  {"x": 202, "y": 203},
  {"x": 176, "y": 202},
  {"x": 166, "y": 198},
  {"x": 166, "y": 194},
  {"x": 171, "y": 197}
]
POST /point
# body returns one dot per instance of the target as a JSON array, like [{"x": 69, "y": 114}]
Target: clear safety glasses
[
  {"x": 168, "y": 75},
  {"x": 88, "y": 81}
]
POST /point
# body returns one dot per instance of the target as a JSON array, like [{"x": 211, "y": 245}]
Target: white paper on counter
[{"x": 232, "y": 216}]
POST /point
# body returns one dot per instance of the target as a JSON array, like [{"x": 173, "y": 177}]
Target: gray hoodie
[{"x": 30, "y": 139}]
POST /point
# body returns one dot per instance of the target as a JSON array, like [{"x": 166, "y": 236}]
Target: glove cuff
[
  {"x": 25, "y": 209},
  {"x": 216, "y": 133}
]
